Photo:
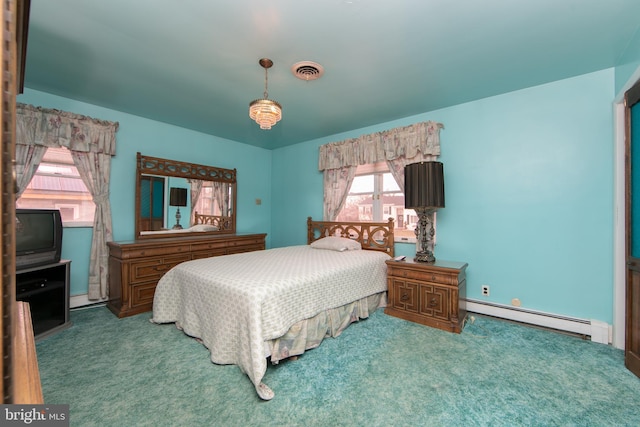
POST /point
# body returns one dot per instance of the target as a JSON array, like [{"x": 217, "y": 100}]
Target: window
[
  {"x": 57, "y": 185},
  {"x": 206, "y": 200},
  {"x": 375, "y": 196}
]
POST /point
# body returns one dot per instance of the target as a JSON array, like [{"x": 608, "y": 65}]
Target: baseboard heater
[
  {"x": 598, "y": 331},
  {"x": 82, "y": 300}
]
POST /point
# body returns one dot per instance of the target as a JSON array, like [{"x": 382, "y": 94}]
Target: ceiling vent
[{"x": 307, "y": 70}]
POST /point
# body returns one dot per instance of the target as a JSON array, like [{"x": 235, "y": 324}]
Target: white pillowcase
[
  {"x": 334, "y": 243},
  {"x": 203, "y": 227}
]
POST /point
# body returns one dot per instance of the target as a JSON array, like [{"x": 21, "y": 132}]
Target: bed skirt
[{"x": 309, "y": 333}]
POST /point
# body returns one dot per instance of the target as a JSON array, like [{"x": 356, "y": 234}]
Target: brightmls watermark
[{"x": 34, "y": 415}]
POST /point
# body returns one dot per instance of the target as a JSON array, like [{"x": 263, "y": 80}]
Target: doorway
[{"x": 632, "y": 222}]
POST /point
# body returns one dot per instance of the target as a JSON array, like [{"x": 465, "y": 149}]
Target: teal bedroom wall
[
  {"x": 152, "y": 138},
  {"x": 628, "y": 65},
  {"x": 528, "y": 180},
  {"x": 529, "y": 193}
]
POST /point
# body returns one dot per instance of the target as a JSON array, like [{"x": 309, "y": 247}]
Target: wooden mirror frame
[{"x": 146, "y": 165}]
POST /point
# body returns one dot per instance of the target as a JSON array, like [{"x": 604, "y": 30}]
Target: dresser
[
  {"x": 136, "y": 267},
  {"x": 432, "y": 294}
]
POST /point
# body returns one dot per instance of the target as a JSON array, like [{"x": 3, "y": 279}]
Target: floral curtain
[
  {"x": 336, "y": 187},
  {"x": 28, "y": 157},
  {"x": 196, "y": 188},
  {"x": 398, "y": 147},
  {"x": 94, "y": 169},
  {"x": 92, "y": 142},
  {"x": 221, "y": 198}
]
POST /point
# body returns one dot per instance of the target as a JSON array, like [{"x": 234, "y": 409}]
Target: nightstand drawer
[
  {"x": 425, "y": 276},
  {"x": 434, "y": 301},
  {"x": 404, "y": 295}
]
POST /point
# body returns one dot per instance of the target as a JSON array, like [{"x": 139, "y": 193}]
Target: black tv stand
[{"x": 46, "y": 289}]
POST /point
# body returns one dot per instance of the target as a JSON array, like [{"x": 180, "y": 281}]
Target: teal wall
[
  {"x": 628, "y": 64},
  {"x": 529, "y": 186},
  {"x": 152, "y": 138},
  {"x": 529, "y": 183}
]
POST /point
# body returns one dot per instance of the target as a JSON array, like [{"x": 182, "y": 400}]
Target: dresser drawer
[
  {"x": 209, "y": 246},
  {"x": 256, "y": 242},
  {"x": 142, "y": 294},
  {"x": 241, "y": 249},
  {"x": 152, "y": 269},
  {"x": 157, "y": 251},
  {"x": 208, "y": 253}
]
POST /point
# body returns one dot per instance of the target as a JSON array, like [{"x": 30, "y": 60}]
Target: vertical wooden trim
[
  {"x": 632, "y": 96},
  {"x": 632, "y": 297},
  {"x": 7, "y": 186},
  {"x": 27, "y": 388}
]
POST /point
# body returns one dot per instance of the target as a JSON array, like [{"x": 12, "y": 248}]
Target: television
[{"x": 38, "y": 237}]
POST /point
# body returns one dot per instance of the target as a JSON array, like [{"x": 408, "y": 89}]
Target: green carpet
[{"x": 381, "y": 371}]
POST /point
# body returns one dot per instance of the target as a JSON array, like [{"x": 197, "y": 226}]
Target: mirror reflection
[{"x": 174, "y": 198}]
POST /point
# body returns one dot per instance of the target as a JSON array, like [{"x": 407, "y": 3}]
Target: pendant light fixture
[{"x": 265, "y": 112}]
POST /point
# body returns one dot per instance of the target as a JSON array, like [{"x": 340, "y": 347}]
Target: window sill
[
  {"x": 405, "y": 240},
  {"x": 78, "y": 224}
]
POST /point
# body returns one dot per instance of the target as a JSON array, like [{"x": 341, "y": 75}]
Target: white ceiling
[{"x": 194, "y": 63}]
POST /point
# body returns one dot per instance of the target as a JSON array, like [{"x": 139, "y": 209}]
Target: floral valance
[
  {"x": 54, "y": 128},
  {"x": 408, "y": 141}
]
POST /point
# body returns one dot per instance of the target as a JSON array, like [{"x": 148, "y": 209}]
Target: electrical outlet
[{"x": 485, "y": 290}]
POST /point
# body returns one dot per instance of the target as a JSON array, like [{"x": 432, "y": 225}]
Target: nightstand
[{"x": 432, "y": 294}]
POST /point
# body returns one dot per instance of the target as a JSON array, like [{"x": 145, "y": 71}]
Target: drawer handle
[
  {"x": 161, "y": 268},
  {"x": 433, "y": 302},
  {"x": 433, "y": 278},
  {"x": 404, "y": 297}
]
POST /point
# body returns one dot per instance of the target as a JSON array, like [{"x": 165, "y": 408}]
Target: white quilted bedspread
[{"x": 236, "y": 302}]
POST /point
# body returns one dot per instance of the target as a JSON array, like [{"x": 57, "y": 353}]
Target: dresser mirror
[{"x": 175, "y": 199}]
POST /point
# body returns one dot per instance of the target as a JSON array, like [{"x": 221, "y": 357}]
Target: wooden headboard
[
  {"x": 222, "y": 222},
  {"x": 373, "y": 236}
]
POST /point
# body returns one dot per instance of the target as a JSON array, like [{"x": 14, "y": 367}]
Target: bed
[{"x": 252, "y": 308}]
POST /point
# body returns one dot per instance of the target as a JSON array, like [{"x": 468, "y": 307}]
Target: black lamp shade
[
  {"x": 178, "y": 196},
  {"x": 424, "y": 185}
]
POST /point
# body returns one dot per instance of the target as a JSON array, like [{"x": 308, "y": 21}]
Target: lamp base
[
  {"x": 424, "y": 235},
  {"x": 425, "y": 257},
  {"x": 178, "y": 216}
]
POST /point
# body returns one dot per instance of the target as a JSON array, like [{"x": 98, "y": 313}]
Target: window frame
[
  {"x": 378, "y": 171},
  {"x": 57, "y": 203}
]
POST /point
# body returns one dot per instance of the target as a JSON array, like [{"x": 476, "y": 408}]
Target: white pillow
[
  {"x": 203, "y": 227},
  {"x": 334, "y": 243}
]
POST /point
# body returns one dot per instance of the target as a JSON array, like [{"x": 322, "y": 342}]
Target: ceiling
[{"x": 194, "y": 63}]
